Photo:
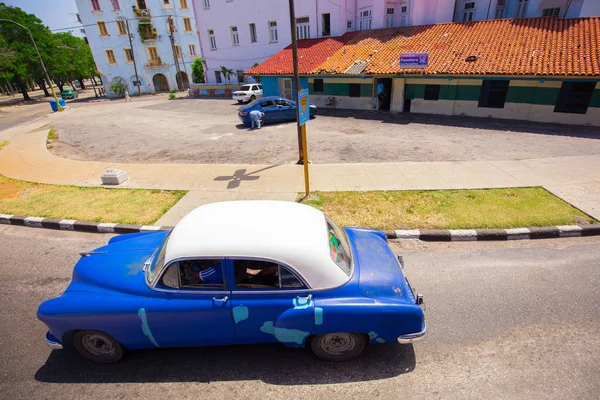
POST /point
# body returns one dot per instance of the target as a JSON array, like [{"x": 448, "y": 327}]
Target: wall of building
[
  {"x": 336, "y": 93},
  {"x": 222, "y": 15},
  {"x": 526, "y": 99},
  {"x": 486, "y": 9},
  {"x": 118, "y": 42}
]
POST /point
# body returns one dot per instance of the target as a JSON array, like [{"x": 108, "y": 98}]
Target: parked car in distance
[
  {"x": 241, "y": 272},
  {"x": 248, "y": 92},
  {"x": 69, "y": 94},
  {"x": 276, "y": 109}
]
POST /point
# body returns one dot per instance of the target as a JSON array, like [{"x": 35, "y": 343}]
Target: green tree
[
  {"x": 25, "y": 65},
  {"x": 118, "y": 87},
  {"x": 198, "y": 71},
  {"x": 227, "y": 73},
  {"x": 72, "y": 60}
]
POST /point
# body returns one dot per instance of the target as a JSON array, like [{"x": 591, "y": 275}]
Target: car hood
[
  {"x": 380, "y": 273},
  {"x": 118, "y": 266}
]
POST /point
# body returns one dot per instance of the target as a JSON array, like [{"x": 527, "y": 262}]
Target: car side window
[
  {"x": 267, "y": 104},
  {"x": 254, "y": 87},
  {"x": 264, "y": 275},
  {"x": 194, "y": 274}
]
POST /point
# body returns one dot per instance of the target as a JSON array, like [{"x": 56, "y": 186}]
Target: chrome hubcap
[
  {"x": 338, "y": 343},
  {"x": 98, "y": 345}
]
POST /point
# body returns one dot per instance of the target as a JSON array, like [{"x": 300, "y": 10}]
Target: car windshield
[
  {"x": 158, "y": 260},
  {"x": 339, "y": 248},
  {"x": 245, "y": 88}
]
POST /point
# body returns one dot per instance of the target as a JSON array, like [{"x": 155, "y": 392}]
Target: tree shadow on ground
[
  {"x": 273, "y": 364},
  {"x": 542, "y": 128}
]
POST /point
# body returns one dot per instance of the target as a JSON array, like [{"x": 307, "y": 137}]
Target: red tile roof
[
  {"x": 525, "y": 46},
  {"x": 311, "y": 53}
]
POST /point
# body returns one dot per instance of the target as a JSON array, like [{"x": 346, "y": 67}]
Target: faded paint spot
[
  {"x": 145, "y": 327},
  {"x": 302, "y": 302},
  {"x": 318, "y": 315},
  {"x": 240, "y": 313},
  {"x": 284, "y": 335},
  {"x": 372, "y": 335},
  {"x": 267, "y": 327},
  {"x": 379, "y": 340},
  {"x": 398, "y": 291}
]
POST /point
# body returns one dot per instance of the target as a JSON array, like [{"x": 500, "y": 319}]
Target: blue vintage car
[
  {"x": 238, "y": 273},
  {"x": 276, "y": 109}
]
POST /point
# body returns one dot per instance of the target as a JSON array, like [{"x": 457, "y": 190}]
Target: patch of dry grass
[
  {"x": 448, "y": 209},
  {"x": 3, "y": 143},
  {"x": 125, "y": 206}
]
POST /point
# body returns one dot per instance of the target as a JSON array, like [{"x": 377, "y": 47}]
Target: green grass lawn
[
  {"x": 447, "y": 209},
  {"x": 125, "y": 206}
]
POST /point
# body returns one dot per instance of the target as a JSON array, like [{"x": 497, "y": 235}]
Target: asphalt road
[{"x": 516, "y": 320}]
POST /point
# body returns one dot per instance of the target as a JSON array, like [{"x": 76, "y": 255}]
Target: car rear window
[
  {"x": 339, "y": 248},
  {"x": 245, "y": 87}
]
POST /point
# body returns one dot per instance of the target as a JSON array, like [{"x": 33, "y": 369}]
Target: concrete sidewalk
[{"x": 576, "y": 179}]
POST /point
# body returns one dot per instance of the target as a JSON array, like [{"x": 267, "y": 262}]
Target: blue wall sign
[
  {"x": 414, "y": 60},
  {"x": 304, "y": 110}
]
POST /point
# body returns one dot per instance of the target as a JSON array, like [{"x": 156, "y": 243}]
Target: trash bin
[{"x": 55, "y": 107}]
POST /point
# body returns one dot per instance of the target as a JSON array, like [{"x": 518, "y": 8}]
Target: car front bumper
[
  {"x": 413, "y": 337},
  {"x": 53, "y": 342}
]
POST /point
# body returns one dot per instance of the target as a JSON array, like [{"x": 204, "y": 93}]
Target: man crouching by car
[{"x": 255, "y": 117}]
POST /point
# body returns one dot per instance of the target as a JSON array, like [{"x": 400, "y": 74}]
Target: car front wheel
[
  {"x": 98, "y": 346},
  {"x": 252, "y": 98},
  {"x": 338, "y": 346},
  {"x": 240, "y": 101}
]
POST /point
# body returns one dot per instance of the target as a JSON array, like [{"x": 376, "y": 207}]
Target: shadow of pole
[{"x": 240, "y": 175}]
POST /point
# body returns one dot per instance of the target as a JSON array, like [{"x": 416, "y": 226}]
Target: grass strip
[
  {"x": 124, "y": 206},
  {"x": 448, "y": 209}
]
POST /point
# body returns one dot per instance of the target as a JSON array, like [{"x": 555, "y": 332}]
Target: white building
[
  {"x": 476, "y": 10},
  {"x": 237, "y": 34},
  {"x": 164, "y": 41}
]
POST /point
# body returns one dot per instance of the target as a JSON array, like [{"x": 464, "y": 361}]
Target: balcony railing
[{"x": 157, "y": 63}]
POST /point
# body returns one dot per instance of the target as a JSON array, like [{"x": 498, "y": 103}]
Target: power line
[
  {"x": 110, "y": 22},
  {"x": 337, "y": 5}
]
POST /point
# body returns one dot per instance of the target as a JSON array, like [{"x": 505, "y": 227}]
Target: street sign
[
  {"x": 414, "y": 60},
  {"x": 304, "y": 110},
  {"x": 137, "y": 83}
]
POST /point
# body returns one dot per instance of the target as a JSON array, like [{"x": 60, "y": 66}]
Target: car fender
[{"x": 295, "y": 325}]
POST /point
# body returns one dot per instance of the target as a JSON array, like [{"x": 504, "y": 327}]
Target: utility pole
[
  {"x": 296, "y": 79},
  {"x": 302, "y": 145},
  {"x": 137, "y": 78},
  {"x": 41, "y": 61},
  {"x": 171, "y": 26}
]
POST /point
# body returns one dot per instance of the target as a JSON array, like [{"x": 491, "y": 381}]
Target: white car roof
[{"x": 290, "y": 233}]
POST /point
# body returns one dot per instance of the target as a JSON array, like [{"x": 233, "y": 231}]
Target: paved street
[
  {"x": 197, "y": 131},
  {"x": 506, "y": 320}
]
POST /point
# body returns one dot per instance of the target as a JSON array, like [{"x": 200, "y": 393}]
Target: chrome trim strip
[
  {"x": 54, "y": 345},
  {"x": 412, "y": 337}
]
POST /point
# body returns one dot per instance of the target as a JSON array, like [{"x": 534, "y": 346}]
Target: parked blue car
[
  {"x": 238, "y": 273},
  {"x": 276, "y": 109}
]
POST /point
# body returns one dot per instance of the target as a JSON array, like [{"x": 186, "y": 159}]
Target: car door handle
[{"x": 223, "y": 300}]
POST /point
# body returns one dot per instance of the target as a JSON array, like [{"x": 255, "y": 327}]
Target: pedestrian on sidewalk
[
  {"x": 127, "y": 98},
  {"x": 255, "y": 117}
]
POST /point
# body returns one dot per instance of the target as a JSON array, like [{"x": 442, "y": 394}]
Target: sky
[{"x": 56, "y": 14}]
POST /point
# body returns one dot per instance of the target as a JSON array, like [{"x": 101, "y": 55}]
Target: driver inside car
[{"x": 208, "y": 272}]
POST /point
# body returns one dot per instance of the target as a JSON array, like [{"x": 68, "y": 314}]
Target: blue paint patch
[
  {"x": 145, "y": 327},
  {"x": 302, "y": 302},
  {"x": 240, "y": 313},
  {"x": 284, "y": 335},
  {"x": 372, "y": 335},
  {"x": 267, "y": 327},
  {"x": 318, "y": 316},
  {"x": 380, "y": 340}
]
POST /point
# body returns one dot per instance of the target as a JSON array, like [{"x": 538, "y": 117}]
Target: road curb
[
  {"x": 466, "y": 235},
  {"x": 79, "y": 226},
  {"x": 458, "y": 235}
]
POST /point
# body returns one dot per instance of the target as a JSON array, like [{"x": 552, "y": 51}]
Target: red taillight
[{"x": 242, "y": 112}]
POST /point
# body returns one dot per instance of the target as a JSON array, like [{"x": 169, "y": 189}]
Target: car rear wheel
[
  {"x": 98, "y": 346},
  {"x": 338, "y": 346}
]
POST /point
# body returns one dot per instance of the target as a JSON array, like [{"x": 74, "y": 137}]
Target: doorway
[
  {"x": 160, "y": 83},
  {"x": 285, "y": 88},
  {"x": 384, "y": 93}
]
